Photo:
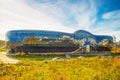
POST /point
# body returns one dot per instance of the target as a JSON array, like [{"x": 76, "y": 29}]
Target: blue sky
[{"x": 101, "y": 17}]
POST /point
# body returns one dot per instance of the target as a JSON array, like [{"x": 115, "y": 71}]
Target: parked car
[
  {"x": 57, "y": 58},
  {"x": 81, "y": 57},
  {"x": 109, "y": 56}
]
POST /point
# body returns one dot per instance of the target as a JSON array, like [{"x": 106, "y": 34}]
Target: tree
[
  {"x": 105, "y": 43},
  {"x": 81, "y": 42},
  {"x": 67, "y": 39},
  {"x": 31, "y": 40},
  {"x": 92, "y": 41},
  {"x": 2, "y": 43}
]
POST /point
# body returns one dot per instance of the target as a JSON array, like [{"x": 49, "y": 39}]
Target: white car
[
  {"x": 57, "y": 58},
  {"x": 81, "y": 57},
  {"x": 109, "y": 56}
]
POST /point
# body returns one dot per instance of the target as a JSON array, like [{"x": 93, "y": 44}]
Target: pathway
[{"x": 6, "y": 59}]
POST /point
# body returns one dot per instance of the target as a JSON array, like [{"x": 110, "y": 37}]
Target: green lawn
[
  {"x": 50, "y": 56},
  {"x": 37, "y": 57}
]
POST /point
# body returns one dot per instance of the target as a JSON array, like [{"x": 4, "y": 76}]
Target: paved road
[{"x": 7, "y": 59}]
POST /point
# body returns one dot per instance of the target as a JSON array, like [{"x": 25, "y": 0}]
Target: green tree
[{"x": 2, "y": 43}]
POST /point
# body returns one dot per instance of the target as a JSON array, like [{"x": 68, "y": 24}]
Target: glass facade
[{"x": 19, "y": 35}]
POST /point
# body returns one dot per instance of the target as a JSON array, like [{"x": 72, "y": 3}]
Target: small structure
[{"x": 88, "y": 49}]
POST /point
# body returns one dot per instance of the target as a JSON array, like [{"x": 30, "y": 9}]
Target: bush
[
  {"x": 3, "y": 49},
  {"x": 23, "y": 53},
  {"x": 20, "y": 54},
  {"x": 1, "y": 62},
  {"x": 29, "y": 53}
]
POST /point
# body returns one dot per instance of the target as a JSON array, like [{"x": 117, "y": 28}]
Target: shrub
[
  {"x": 29, "y": 53},
  {"x": 3, "y": 49},
  {"x": 1, "y": 62},
  {"x": 20, "y": 54}
]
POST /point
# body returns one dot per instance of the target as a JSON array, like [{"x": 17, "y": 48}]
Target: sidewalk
[{"x": 6, "y": 59}]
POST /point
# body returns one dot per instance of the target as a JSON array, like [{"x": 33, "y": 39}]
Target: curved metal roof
[{"x": 18, "y": 35}]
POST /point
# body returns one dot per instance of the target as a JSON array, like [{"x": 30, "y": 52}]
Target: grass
[
  {"x": 113, "y": 54},
  {"x": 37, "y": 57},
  {"x": 74, "y": 69},
  {"x": 3, "y": 49},
  {"x": 50, "y": 56}
]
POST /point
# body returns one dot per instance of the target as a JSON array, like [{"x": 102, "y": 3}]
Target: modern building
[{"x": 20, "y": 35}]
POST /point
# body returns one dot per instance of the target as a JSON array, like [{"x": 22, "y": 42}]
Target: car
[
  {"x": 57, "y": 58},
  {"x": 109, "y": 56},
  {"x": 80, "y": 57}
]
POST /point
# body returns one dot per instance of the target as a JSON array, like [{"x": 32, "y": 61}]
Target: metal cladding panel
[
  {"x": 19, "y": 35},
  {"x": 80, "y": 34},
  {"x": 100, "y": 38}
]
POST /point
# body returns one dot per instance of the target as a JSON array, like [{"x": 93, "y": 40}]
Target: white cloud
[
  {"x": 112, "y": 15},
  {"x": 16, "y": 14},
  {"x": 110, "y": 25},
  {"x": 84, "y": 12},
  {"x": 24, "y": 14},
  {"x": 87, "y": 15},
  {"x": 27, "y": 14}
]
